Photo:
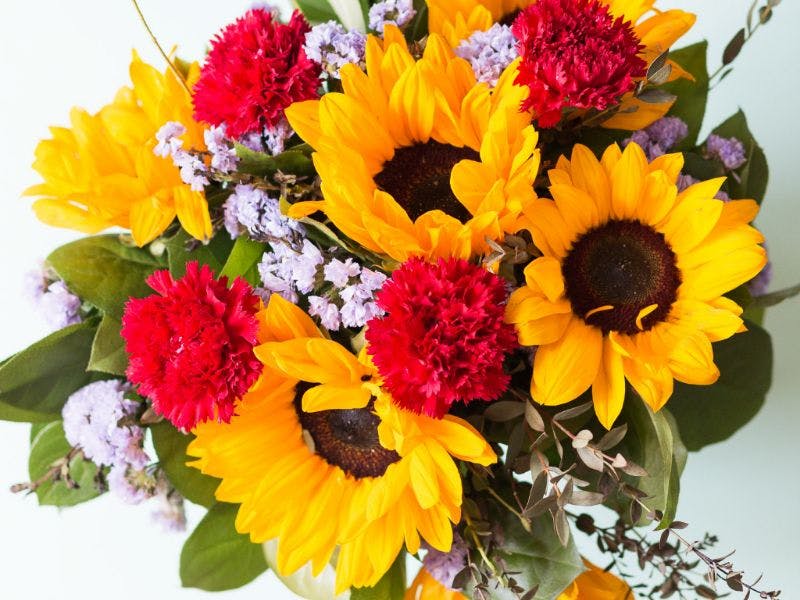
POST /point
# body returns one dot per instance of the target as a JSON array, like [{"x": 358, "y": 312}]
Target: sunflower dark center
[
  {"x": 418, "y": 177},
  {"x": 624, "y": 265},
  {"x": 347, "y": 439}
]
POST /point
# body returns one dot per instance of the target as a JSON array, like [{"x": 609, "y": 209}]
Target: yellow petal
[
  {"x": 627, "y": 182},
  {"x": 608, "y": 389},
  {"x": 692, "y": 361},
  {"x": 192, "y": 210},
  {"x": 328, "y": 396},
  {"x": 562, "y": 371},
  {"x": 423, "y": 477},
  {"x": 545, "y": 273}
]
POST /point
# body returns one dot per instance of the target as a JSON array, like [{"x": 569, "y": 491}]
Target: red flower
[
  {"x": 574, "y": 54},
  {"x": 443, "y": 338},
  {"x": 190, "y": 346},
  {"x": 256, "y": 68}
]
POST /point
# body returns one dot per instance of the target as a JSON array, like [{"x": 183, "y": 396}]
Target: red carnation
[
  {"x": 574, "y": 54},
  {"x": 255, "y": 69},
  {"x": 191, "y": 345},
  {"x": 443, "y": 338}
]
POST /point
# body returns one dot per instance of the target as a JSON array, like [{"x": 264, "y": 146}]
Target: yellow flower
[
  {"x": 596, "y": 584},
  {"x": 102, "y": 172},
  {"x": 631, "y": 281},
  {"x": 592, "y": 584},
  {"x": 656, "y": 30},
  {"x": 415, "y": 157},
  {"x": 425, "y": 587},
  {"x": 319, "y": 458}
]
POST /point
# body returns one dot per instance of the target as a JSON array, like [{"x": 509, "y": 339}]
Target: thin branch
[{"x": 166, "y": 57}]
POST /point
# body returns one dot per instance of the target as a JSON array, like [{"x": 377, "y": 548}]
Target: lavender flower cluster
[
  {"x": 170, "y": 145},
  {"x": 351, "y": 301},
  {"x": 100, "y": 421},
  {"x": 391, "y": 12},
  {"x": 489, "y": 52},
  {"x": 660, "y": 137},
  {"x": 332, "y": 47},
  {"x": 94, "y": 421},
  {"x": 52, "y": 299},
  {"x": 252, "y": 211}
]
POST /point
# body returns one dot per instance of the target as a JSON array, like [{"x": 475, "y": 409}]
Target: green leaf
[
  {"x": 108, "y": 348},
  {"x": 711, "y": 414},
  {"x": 49, "y": 445},
  {"x": 182, "y": 248},
  {"x": 536, "y": 558},
  {"x": 392, "y": 586},
  {"x": 754, "y": 175},
  {"x": 105, "y": 272},
  {"x": 776, "y": 297},
  {"x": 418, "y": 28},
  {"x": 651, "y": 444},
  {"x": 170, "y": 445},
  {"x": 216, "y": 557},
  {"x": 296, "y": 161},
  {"x": 36, "y": 382},
  {"x": 316, "y": 11},
  {"x": 243, "y": 259},
  {"x": 692, "y": 95}
]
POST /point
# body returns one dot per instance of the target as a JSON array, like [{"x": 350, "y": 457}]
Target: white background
[{"x": 56, "y": 54}]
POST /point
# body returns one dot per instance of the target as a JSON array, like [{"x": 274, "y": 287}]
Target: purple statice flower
[
  {"x": 759, "y": 285},
  {"x": 59, "y": 306},
  {"x": 444, "y": 566},
  {"x": 193, "y": 169},
  {"x": 372, "y": 280},
  {"x": 489, "y": 52},
  {"x": 660, "y": 137},
  {"x": 306, "y": 266},
  {"x": 130, "y": 485},
  {"x": 359, "y": 299},
  {"x": 339, "y": 273},
  {"x": 326, "y": 311},
  {"x": 34, "y": 285},
  {"x": 94, "y": 422},
  {"x": 685, "y": 180},
  {"x": 271, "y": 139},
  {"x": 391, "y": 12},
  {"x": 729, "y": 151},
  {"x": 253, "y": 211},
  {"x": 168, "y": 138},
  {"x": 332, "y": 47},
  {"x": 171, "y": 514},
  {"x": 286, "y": 270},
  {"x": 223, "y": 155},
  {"x": 359, "y": 305},
  {"x": 275, "y": 137}
]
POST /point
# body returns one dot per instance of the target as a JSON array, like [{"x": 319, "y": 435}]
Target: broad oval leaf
[
  {"x": 49, "y": 445},
  {"x": 216, "y": 557},
  {"x": 36, "y": 382},
  {"x": 108, "y": 348},
  {"x": 105, "y": 272}
]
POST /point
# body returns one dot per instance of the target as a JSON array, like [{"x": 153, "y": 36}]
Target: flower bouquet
[{"x": 410, "y": 299}]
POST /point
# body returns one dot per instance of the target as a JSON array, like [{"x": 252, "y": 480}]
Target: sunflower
[
  {"x": 319, "y": 458},
  {"x": 416, "y": 158},
  {"x": 654, "y": 30},
  {"x": 102, "y": 172},
  {"x": 631, "y": 281}
]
